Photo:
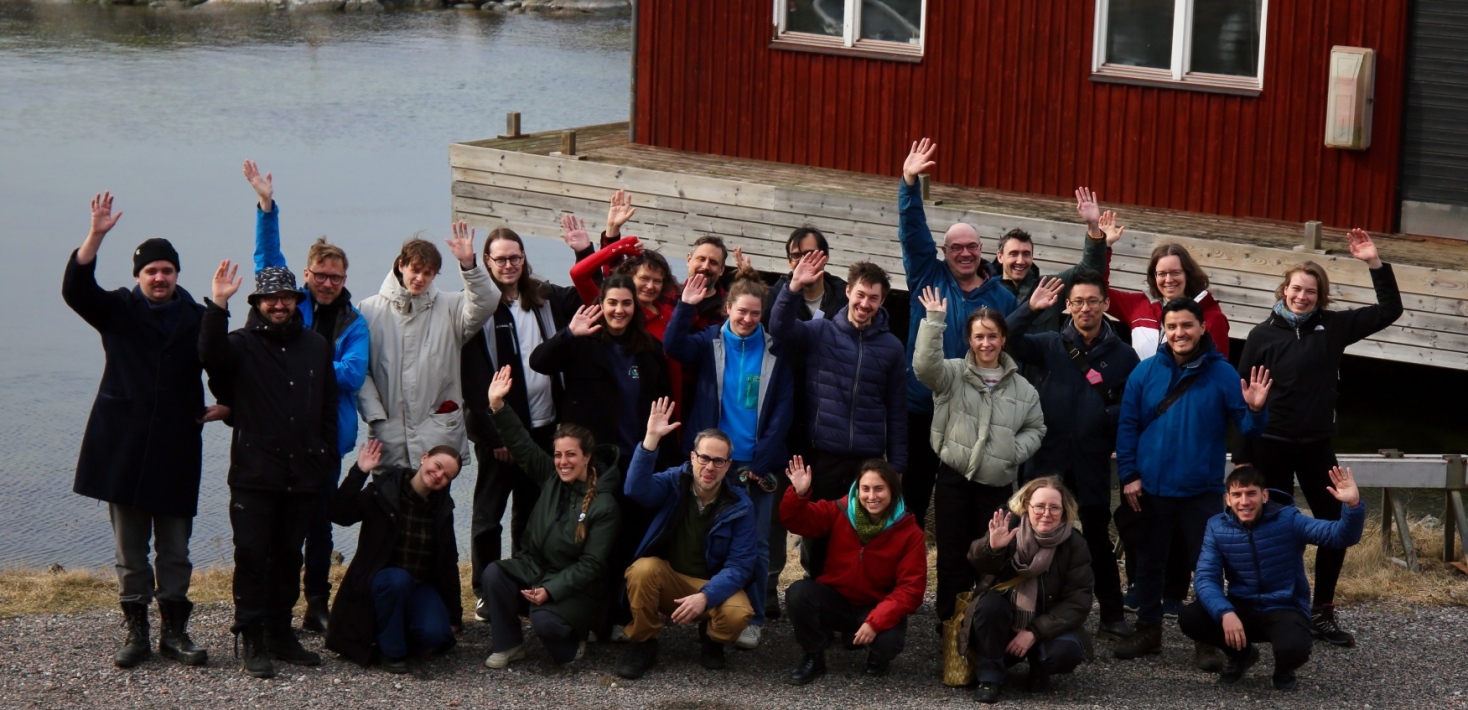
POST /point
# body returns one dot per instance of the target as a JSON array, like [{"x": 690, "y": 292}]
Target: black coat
[
  {"x": 591, "y": 390},
  {"x": 352, "y": 631},
  {"x": 284, "y": 398},
  {"x": 1066, "y": 587},
  {"x": 142, "y": 447}
]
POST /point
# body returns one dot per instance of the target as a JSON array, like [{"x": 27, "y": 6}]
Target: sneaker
[
  {"x": 1323, "y": 626},
  {"x": 748, "y": 638},
  {"x": 1146, "y": 639},
  {"x": 1209, "y": 658},
  {"x": 505, "y": 658},
  {"x": 1234, "y": 671},
  {"x": 1129, "y": 600},
  {"x": 640, "y": 656},
  {"x": 1171, "y": 608},
  {"x": 480, "y": 613},
  {"x": 1284, "y": 680},
  {"x": 619, "y": 633}
]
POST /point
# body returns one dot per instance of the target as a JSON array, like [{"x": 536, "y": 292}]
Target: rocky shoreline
[{"x": 552, "y": 7}]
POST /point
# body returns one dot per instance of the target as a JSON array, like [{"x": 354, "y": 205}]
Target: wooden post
[
  {"x": 568, "y": 147},
  {"x": 512, "y": 126},
  {"x": 1312, "y": 238},
  {"x": 924, "y": 182}
]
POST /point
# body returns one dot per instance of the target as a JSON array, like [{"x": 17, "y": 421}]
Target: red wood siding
[{"x": 1004, "y": 89}]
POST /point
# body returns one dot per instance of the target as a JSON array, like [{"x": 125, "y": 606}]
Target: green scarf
[{"x": 866, "y": 528}]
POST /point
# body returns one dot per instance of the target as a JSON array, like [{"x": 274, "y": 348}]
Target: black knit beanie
[{"x": 154, "y": 250}]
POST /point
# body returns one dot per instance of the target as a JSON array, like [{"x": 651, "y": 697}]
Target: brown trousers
[{"x": 652, "y": 587}]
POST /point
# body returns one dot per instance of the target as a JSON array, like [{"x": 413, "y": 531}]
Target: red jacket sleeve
[
  {"x": 584, "y": 272},
  {"x": 806, "y": 517},
  {"x": 1125, "y": 305},
  {"x": 1216, "y": 323},
  {"x": 912, "y": 581}
]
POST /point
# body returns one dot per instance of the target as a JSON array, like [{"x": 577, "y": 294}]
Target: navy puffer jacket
[
  {"x": 1265, "y": 563},
  {"x": 855, "y": 381}
]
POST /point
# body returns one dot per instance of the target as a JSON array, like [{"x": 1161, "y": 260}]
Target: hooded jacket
[
  {"x": 1264, "y": 563},
  {"x": 888, "y": 573},
  {"x": 854, "y": 381},
  {"x": 414, "y": 372},
  {"x": 982, "y": 433},
  {"x": 1181, "y": 453}
]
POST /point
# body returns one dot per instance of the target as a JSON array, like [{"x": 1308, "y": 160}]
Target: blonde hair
[
  {"x": 1309, "y": 268},
  {"x": 322, "y": 250},
  {"x": 1019, "y": 503}
]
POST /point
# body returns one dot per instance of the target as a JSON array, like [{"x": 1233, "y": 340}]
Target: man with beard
[
  {"x": 707, "y": 259},
  {"x": 284, "y": 397}
]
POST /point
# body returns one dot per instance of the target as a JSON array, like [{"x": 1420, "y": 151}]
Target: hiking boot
[
  {"x": 1208, "y": 658},
  {"x": 710, "y": 653},
  {"x": 877, "y": 664},
  {"x": 1323, "y": 626},
  {"x": 748, "y": 638},
  {"x": 1284, "y": 680},
  {"x": 986, "y": 693},
  {"x": 1144, "y": 640},
  {"x": 1234, "y": 671},
  {"x": 640, "y": 656},
  {"x": 135, "y": 648},
  {"x": 282, "y": 645},
  {"x": 1171, "y": 608},
  {"x": 254, "y": 661},
  {"x": 1113, "y": 631},
  {"x": 173, "y": 638},
  {"x": 812, "y": 666},
  {"x": 318, "y": 613},
  {"x": 394, "y": 665}
]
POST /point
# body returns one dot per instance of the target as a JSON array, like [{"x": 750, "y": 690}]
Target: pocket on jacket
[{"x": 447, "y": 421}]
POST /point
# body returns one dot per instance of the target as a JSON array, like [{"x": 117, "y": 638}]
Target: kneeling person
[
  {"x": 876, "y": 571},
  {"x": 1258, "y": 545},
  {"x": 401, "y": 591},
  {"x": 698, "y": 553}
]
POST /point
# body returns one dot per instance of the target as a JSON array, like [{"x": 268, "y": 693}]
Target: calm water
[{"x": 353, "y": 115}]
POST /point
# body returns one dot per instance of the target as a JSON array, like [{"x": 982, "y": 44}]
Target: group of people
[{"x": 656, "y": 443}]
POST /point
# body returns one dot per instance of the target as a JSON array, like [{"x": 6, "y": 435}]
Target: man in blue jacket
[
  {"x": 964, "y": 279},
  {"x": 328, "y": 311},
  {"x": 1258, "y": 546},
  {"x": 699, "y": 552},
  {"x": 1170, "y": 451}
]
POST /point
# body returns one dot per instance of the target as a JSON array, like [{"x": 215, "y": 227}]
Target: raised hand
[
  {"x": 619, "y": 212},
  {"x": 1046, "y": 293},
  {"x": 1086, "y": 206},
  {"x": 1363, "y": 248},
  {"x": 1110, "y": 228},
  {"x": 693, "y": 289},
  {"x": 919, "y": 160},
  {"x": 1000, "y": 533},
  {"x": 799, "y": 475},
  {"x": 102, "y": 218},
  {"x": 1256, "y": 388},
  {"x": 933, "y": 300},
  {"x": 500, "y": 387},
  {"x": 1343, "y": 487},
  {"x": 659, "y": 424},
  {"x": 810, "y": 269},
  {"x": 371, "y": 456},
  {"x": 741, "y": 262},
  {"x": 462, "y": 245},
  {"x": 226, "y": 282},
  {"x": 263, "y": 184},
  {"x": 573, "y": 233},
  {"x": 1233, "y": 632},
  {"x": 586, "y": 321}
]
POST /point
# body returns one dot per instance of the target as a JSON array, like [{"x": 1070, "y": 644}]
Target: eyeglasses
[
  {"x": 1046, "y": 509},
  {"x": 1171, "y": 274},
  {"x": 327, "y": 279},
  {"x": 515, "y": 260},
  {"x": 798, "y": 255},
  {"x": 1092, "y": 303},
  {"x": 961, "y": 248},
  {"x": 283, "y": 297},
  {"x": 715, "y": 461}
]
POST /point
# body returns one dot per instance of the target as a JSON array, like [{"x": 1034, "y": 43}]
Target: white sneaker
[
  {"x": 619, "y": 633},
  {"x": 480, "y": 613},
  {"x": 748, "y": 638},
  {"x": 500, "y": 660}
]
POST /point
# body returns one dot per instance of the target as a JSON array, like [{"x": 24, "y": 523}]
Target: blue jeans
[{"x": 408, "y": 613}]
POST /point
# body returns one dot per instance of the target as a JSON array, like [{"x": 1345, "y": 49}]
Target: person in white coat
[{"x": 412, "y": 398}]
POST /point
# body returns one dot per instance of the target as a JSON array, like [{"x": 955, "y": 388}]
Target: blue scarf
[
  {"x": 1289, "y": 316},
  {"x": 866, "y": 528}
]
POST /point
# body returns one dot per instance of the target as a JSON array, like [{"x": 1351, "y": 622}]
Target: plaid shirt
[{"x": 417, "y": 534}]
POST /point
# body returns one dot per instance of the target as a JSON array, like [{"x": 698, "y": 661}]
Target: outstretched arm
[
  {"x": 267, "y": 219},
  {"x": 79, "y": 283},
  {"x": 1362, "y": 322}
]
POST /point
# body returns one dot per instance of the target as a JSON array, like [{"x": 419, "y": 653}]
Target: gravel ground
[{"x": 1406, "y": 657}]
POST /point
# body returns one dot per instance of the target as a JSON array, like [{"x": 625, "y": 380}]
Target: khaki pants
[{"x": 652, "y": 585}]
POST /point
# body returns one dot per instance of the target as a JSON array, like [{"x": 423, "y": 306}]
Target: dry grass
[{"x": 1368, "y": 576}]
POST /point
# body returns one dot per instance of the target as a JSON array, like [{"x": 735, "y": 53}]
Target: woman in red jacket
[{"x": 876, "y": 568}]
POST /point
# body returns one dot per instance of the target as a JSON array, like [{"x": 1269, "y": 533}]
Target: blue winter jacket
[
  {"x": 853, "y": 381},
  {"x": 1265, "y": 563},
  {"x": 705, "y": 350},
  {"x": 349, "y": 354},
  {"x": 924, "y": 268},
  {"x": 729, "y": 550},
  {"x": 1181, "y": 453}
]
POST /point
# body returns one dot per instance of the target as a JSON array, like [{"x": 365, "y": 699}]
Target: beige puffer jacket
[{"x": 985, "y": 434}]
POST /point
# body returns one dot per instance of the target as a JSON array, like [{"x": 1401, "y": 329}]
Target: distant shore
[{"x": 548, "y": 7}]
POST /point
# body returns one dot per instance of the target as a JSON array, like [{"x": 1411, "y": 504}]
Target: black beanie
[{"x": 154, "y": 250}]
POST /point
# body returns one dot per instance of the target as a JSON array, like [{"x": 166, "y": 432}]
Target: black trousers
[
  {"x": 831, "y": 478},
  {"x": 318, "y": 540},
  {"x": 991, "y": 632},
  {"x": 922, "y": 467},
  {"x": 494, "y": 486},
  {"x": 962, "y": 511},
  {"x": 816, "y": 610},
  {"x": 506, "y": 605},
  {"x": 269, "y": 529},
  {"x": 1178, "y": 575},
  {"x": 1287, "y": 630},
  {"x": 1096, "y": 527},
  {"x": 1282, "y": 462},
  {"x": 1162, "y": 518},
  {"x": 779, "y": 546}
]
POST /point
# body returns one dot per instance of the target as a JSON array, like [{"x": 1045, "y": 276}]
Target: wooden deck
[{"x": 754, "y": 205}]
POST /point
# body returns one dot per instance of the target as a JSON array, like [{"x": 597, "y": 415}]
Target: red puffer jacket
[{"x": 891, "y": 571}]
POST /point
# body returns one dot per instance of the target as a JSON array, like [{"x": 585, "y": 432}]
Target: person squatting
[{"x": 655, "y": 442}]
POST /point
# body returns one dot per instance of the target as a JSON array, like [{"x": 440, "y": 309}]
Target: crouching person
[
  {"x": 559, "y": 576},
  {"x": 698, "y": 553},
  {"x": 876, "y": 568},
  {"x": 1036, "y": 589},
  {"x": 401, "y": 592},
  {"x": 1258, "y": 545}
]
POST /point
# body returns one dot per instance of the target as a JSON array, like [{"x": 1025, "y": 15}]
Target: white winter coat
[{"x": 414, "y": 365}]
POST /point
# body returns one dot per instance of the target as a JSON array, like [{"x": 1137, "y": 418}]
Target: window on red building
[
  {"x": 1205, "y": 44},
  {"x": 868, "y": 27}
]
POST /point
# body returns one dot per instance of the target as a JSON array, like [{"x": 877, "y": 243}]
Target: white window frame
[
  {"x": 849, "y": 42},
  {"x": 1179, "y": 75}
]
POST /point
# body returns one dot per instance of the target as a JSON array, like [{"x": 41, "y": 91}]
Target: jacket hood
[
  {"x": 398, "y": 295},
  {"x": 971, "y": 373},
  {"x": 1278, "y": 501},
  {"x": 878, "y": 326}
]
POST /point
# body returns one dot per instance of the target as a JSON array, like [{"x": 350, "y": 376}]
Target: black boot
[
  {"x": 877, "y": 664},
  {"x": 254, "y": 660},
  {"x": 282, "y": 645},
  {"x": 173, "y": 640},
  {"x": 318, "y": 612},
  {"x": 135, "y": 648},
  {"x": 812, "y": 666},
  {"x": 710, "y": 652},
  {"x": 639, "y": 657}
]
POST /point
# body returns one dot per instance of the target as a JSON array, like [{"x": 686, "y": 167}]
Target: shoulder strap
[
  {"x": 1085, "y": 368},
  {"x": 1177, "y": 393}
]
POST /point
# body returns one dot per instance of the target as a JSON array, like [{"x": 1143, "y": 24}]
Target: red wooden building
[{"x": 1215, "y": 106}]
